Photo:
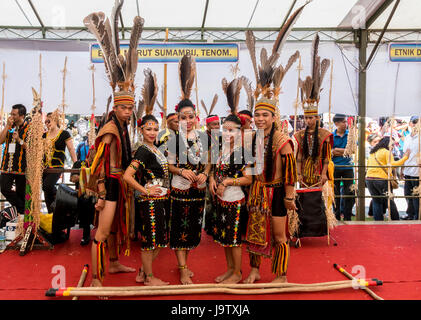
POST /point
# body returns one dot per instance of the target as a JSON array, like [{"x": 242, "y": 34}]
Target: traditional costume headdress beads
[
  {"x": 310, "y": 88},
  {"x": 149, "y": 94},
  {"x": 186, "y": 72},
  {"x": 268, "y": 75},
  {"x": 120, "y": 68},
  {"x": 209, "y": 116},
  {"x": 232, "y": 91}
]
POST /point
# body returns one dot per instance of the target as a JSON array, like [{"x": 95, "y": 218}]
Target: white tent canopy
[{"x": 21, "y": 18}]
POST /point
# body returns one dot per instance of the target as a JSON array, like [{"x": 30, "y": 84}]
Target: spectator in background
[
  {"x": 82, "y": 149},
  {"x": 377, "y": 178},
  {"x": 411, "y": 174},
  {"x": 57, "y": 141},
  {"x": 13, "y": 164},
  {"x": 340, "y": 139}
]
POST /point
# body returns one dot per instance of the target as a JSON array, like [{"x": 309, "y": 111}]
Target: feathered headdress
[
  {"x": 268, "y": 75},
  {"x": 310, "y": 88},
  {"x": 149, "y": 93},
  {"x": 232, "y": 91},
  {"x": 120, "y": 69},
  {"x": 186, "y": 72},
  {"x": 212, "y": 107},
  {"x": 249, "y": 92}
]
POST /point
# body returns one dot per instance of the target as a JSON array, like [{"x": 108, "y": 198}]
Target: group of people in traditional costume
[{"x": 239, "y": 184}]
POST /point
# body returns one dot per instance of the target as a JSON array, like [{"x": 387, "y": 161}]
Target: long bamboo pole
[
  {"x": 2, "y": 92},
  {"x": 349, "y": 276},
  {"x": 330, "y": 96},
  {"x": 389, "y": 168},
  {"x": 297, "y": 103},
  {"x": 40, "y": 77},
  {"x": 63, "y": 99},
  {"x": 82, "y": 278},
  {"x": 419, "y": 168},
  {"x": 91, "y": 135},
  {"x": 168, "y": 290},
  {"x": 165, "y": 102}
]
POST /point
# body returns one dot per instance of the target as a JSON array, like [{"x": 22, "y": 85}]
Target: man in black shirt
[{"x": 13, "y": 164}]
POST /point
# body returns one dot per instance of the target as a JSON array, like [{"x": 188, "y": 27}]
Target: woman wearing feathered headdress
[
  {"x": 148, "y": 175},
  {"x": 112, "y": 144},
  {"x": 272, "y": 194},
  {"x": 190, "y": 169},
  {"x": 225, "y": 183}
]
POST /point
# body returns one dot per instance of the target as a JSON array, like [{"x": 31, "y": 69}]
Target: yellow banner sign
[{"x": 173, "y": 52}]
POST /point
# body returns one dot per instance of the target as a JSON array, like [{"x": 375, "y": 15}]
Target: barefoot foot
[
  {"x": 185, "y": 277},
  {"x": 224, "y": 276},
  {"x": 117, "y": 267},
  {"x": 281, "y": 279},
  {"x": 140, "y": 277},
  {"x": 253, "y": 276},
  {"x": 152, "y": 281},
  {"x": 233, "y": 278}
]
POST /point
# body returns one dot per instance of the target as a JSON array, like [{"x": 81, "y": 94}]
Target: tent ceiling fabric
[{"x": 189, "y": 13}]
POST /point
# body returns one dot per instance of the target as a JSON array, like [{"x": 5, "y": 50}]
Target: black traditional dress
[
  {"x": 153, "y": 211},
  {"x": 187, "y": 199},
  {"x": 230, "y": 208}
]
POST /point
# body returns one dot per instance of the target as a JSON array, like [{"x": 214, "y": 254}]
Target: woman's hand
[
  {"x": 220, "y": 190},
  {"x": 212, "y": 186},
  {"x": 201, "y": 179},
  {"x": 407, "y": 153},
  {"x": 154, "y": 191},
  {"x": 189, "y": 175}
]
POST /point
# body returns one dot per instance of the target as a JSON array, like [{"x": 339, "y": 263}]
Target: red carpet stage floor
[{"x": 389, "y": 252}]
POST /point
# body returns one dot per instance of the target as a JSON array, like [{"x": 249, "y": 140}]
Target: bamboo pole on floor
[
  {"x": 349, "y": 276},
  {"x": 211, "y": 289},
  {"x": 82, "y": 278}
]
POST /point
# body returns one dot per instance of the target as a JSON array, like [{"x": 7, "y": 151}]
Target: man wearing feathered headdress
[
  {"x": 272, "y": 194},
  {"x": 314, "y": 143},
  {"x": 112, "y": 144},
  {"x": 314, "y": 164}
]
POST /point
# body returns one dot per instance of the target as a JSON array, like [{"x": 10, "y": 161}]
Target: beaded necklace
[
  {"x": 162, "y": 160},
  {"x": 197, "y": 145}
]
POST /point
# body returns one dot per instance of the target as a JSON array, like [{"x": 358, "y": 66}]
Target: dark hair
[
  {"x": 268, "y": 156},
  {"x": 246, "y": 112},
  {"x": 21, "y": 109},
  {"x": 233, "y": 118},
  {"x": 372, "y": 136},
  {"x": 306, "y": 150},
  {"x": 149, "y": 117},
  {"x": 125, "y": 140},
  {"x": 170, "y": 114},
  {"x": 183, "y": 104},
  {"x": 382, "y": 144},
  {"x": 211, "y": 115},
  {"x": 49, "y": 114},
  {"x": 339, "y": 118}
]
